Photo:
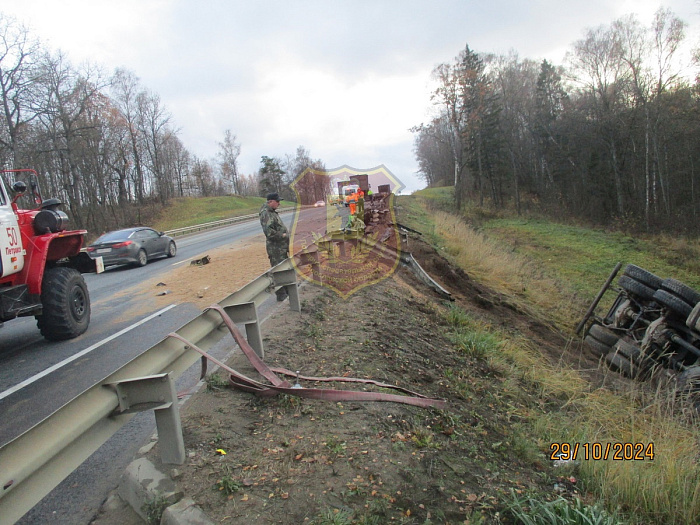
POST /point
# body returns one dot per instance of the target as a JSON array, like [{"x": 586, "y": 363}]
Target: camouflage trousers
[{"x": 278, "y": 252}]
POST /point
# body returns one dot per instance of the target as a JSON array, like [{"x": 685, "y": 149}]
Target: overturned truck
[{"x": 651, "y": 331}]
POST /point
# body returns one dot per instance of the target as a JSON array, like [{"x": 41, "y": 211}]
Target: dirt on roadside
[{"x": 288, "y": 460}]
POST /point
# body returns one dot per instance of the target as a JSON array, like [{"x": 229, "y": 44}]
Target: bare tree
[
  {"x": 433, "y": 150},
  {"x": 229, "y": 150},
  {"x": 69, "y": 95},
  {"x": 18, "y": 52},
  {"x": 153, "y": 124},
  {"x": 125, "y": 87}
]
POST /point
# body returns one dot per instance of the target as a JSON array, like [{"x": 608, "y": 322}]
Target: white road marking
[{"x": 80, "y": 354}]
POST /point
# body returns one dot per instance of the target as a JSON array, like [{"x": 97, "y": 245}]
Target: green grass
[
  {"x": 530, "y": 511},
  {"x": 584, "y": 257},
  {"x": 154, "y": 509},
  {"x": 228, "y": 484},
  {"x": 190, "y": 211}
]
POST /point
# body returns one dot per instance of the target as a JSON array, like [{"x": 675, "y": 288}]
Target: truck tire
[
  {"x": 600, "y": 339},
  {"x": 681, "y": 290},
  {"x": 688, "y": 381},
  {"x": 636, "y": 288},
  {"x": 603, "y": 334},
  {"x": 65, "y": 304},
  {"x": 674, "y": 303},
  {"x": 643, "y": 276},
  {"x": 596, "y": 347},
  {"x": 621, "y": 364},
  {"x": 628, "y": 350}
]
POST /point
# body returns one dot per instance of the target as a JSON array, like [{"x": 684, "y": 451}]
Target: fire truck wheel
[{"x": 65, "y": 304}]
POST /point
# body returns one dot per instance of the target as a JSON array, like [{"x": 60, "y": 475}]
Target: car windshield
[{"x": 114, "y": 236}]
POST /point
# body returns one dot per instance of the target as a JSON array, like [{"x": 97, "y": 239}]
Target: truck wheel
[
  {"x": 642, "y": 364},
  {"x": 620, "y": 364},
  {"x": 643, "y": 276},
  {"x": 65, "y": 304},
  {"x": 603, "y": 334},
  {"x": 141, "y": 258},
  {"x": 673, "y": 303},
  {"x": 636, "y": 288},
  {"x": 600, "y": 339},
  {"x": 689, "y": 380},
  {"x": 598, "y": 348},
  {"x": 681, "y": 290}
]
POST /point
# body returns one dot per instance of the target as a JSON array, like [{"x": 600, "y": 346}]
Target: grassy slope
[
  {"x": 555, "y": 270},
  {"x": 190, "y": 211},
  {"x": 577, "y": 258}
]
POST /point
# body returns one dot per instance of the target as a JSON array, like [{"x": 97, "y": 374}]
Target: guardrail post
[
  {"x": 157, "y": 393},
  {"x": 288, "y": 279},
  {"x": 247, "y": 314},
  {"x": 309, "y": 257}
]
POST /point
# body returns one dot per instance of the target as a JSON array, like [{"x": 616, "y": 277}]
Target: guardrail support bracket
[
  {"x": 288, "y": 279},
  {"x": 157, "y": 393},
  {"x": 247, "y": 314}
]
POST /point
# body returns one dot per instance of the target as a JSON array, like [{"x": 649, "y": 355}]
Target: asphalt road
[{"x": 38, "y": 377}]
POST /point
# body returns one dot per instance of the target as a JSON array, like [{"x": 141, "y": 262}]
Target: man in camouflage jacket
[{"x": 276, "y": 235}]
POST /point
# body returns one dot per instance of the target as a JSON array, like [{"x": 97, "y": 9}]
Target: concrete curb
[
  {"x": 185, "y": 512},
  {"x": 143, "y": 484}
]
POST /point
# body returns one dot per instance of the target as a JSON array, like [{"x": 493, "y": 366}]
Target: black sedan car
[{"x": 132, "y": 246}]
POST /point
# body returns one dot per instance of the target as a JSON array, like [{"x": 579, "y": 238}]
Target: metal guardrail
[
  {"x": 177, "y": 232},
  {"x": 35, "y": 462}
]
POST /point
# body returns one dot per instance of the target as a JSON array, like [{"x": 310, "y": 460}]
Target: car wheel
[
  {"x": 674, "y": 304},
  {"x": 65, "y": 304},
  {"x": 141, "y": 258},
  {"x": 172, "y": 249},
  {"x": 643, "y": 276},
  {"x": 636, "y": 288}
]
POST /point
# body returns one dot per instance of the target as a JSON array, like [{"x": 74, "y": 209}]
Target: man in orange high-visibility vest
[
  {"x": 361, "y": 204},
  {"x": 353, "y": 203}
]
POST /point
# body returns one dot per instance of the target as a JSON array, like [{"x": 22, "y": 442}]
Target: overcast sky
[{"x": 344, "y": 79}]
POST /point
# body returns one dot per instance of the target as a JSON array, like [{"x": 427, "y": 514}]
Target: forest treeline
[
  {"x": 105, "y": 145},
  {"x": 610, "y": 137}
]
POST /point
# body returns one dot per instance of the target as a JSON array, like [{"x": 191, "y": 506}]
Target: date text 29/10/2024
[{"x": 602, "y": 451}]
